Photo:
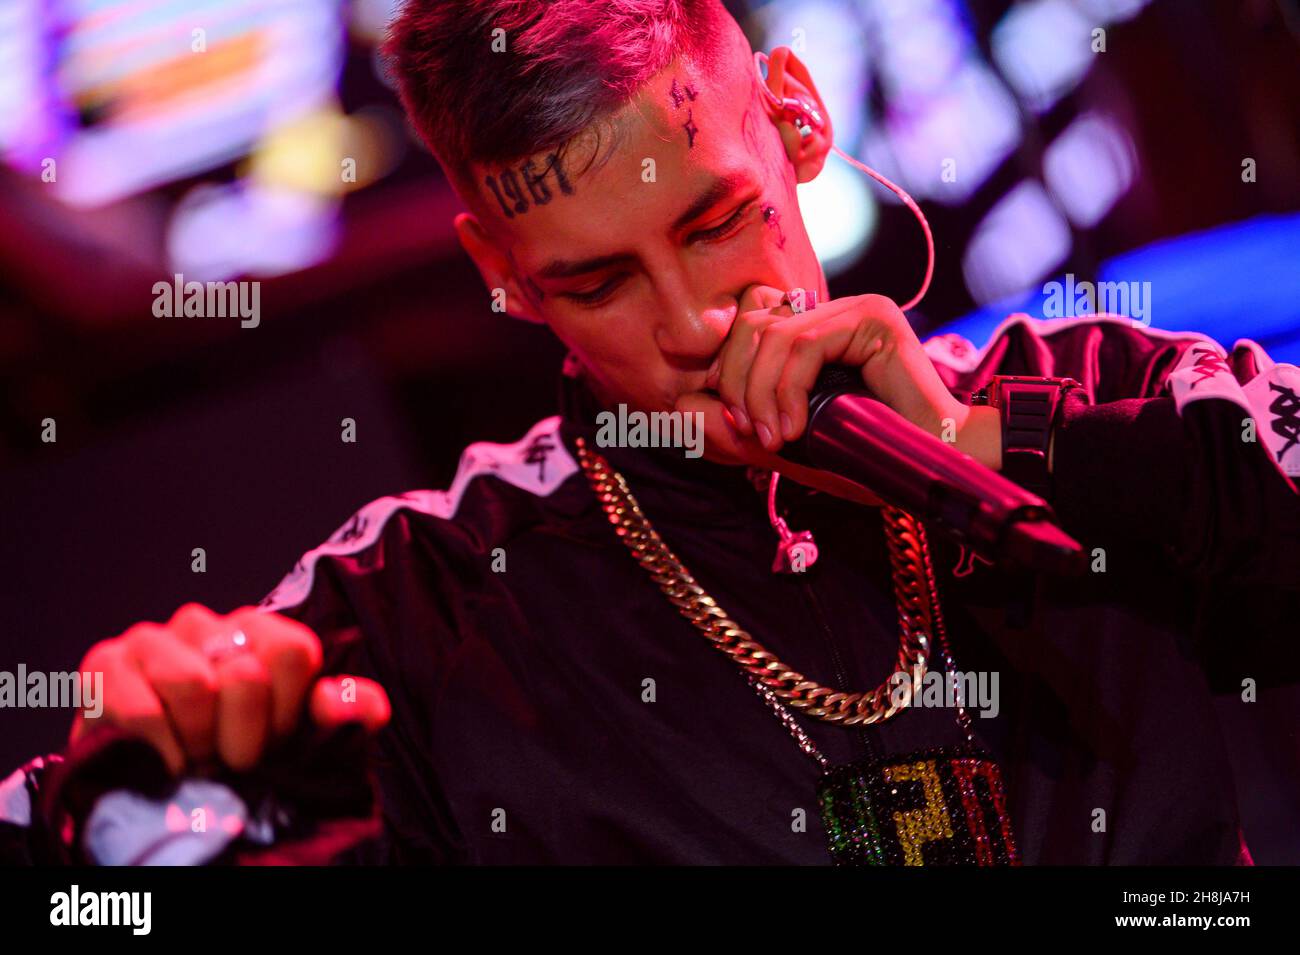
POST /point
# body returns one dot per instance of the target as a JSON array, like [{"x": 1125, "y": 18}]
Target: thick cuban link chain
[{"x": 917, "y": 608}]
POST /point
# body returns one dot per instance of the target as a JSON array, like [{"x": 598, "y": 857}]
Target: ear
[
  {"x": 788, "y": 78},
  {"x": 496, "y": 267}
]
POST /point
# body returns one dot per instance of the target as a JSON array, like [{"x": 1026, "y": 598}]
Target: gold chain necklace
[
  {"x": 918, "y": 609},
  {"x": 944, "y": 806}
]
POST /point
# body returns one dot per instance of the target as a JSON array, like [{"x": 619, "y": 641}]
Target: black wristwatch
[{"x": 1028, "y": 407}]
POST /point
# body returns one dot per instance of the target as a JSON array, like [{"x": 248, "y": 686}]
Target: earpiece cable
[{"x": 760, "y": 60}]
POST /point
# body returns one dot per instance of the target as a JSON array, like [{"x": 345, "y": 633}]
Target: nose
[{"x": 691, "y": 332}]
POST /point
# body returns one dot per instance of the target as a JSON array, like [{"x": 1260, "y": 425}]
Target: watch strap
[{"x": 1028, "y": 408}]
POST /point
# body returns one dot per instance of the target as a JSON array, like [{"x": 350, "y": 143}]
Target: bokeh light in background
[
  {"x": 138, "y": 94},
  {"x": 839, "y": 213},
  {"x": 152, "y": 92},
  {"x": 945, "y": 118},
  {"x": 1089, "y": 167},
  {"x": 147, "y": 138},
  {"x": 942, "y": 109},
  {"x": 1022, "y": 238},
  {"x": 232, "y": 112}
]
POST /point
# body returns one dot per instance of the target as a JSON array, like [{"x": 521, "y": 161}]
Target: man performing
[{"x": 594, "y": 648}]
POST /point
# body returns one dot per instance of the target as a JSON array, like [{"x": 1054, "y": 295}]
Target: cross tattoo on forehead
[
  {"x": 691, "y": 130},
  {"x": 680, "y": 94}
]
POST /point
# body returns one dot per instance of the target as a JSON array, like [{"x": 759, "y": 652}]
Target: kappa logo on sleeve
[
  {"x": 1272, "y": 397},
  {"x": 1203, "y": 372}
]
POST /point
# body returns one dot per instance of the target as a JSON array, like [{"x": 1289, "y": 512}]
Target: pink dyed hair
[{"x": 567, "y": 64}]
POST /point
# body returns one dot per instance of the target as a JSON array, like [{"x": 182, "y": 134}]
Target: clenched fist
[
  {"x": 756, "y": 394},
  {"x": 204, "y": 687}
]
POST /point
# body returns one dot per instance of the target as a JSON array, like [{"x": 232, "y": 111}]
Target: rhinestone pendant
[{"x": 935, "y": 807}]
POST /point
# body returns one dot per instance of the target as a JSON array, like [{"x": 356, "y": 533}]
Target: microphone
[{"x": 854, "y": 435}]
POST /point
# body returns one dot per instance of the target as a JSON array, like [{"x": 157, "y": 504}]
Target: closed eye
[
  {"x": 722, "y": 231},
  {"x": 597, "y": 295}
]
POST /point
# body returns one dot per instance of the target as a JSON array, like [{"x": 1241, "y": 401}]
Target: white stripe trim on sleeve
[{"x": 538, "y": 463}]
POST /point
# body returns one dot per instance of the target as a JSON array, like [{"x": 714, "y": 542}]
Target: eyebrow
[
  {"x": 720, "y": 189},
  {"x": 564, "y": 269}
]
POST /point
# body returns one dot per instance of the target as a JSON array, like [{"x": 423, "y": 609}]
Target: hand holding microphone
[
  {"x": 769, "y": 378},
  {"x": 765, "y": 372},
  {"x": 768, "y": 366}
]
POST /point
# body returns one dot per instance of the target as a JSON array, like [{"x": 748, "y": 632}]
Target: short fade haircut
[{"x": 568, "y": 63}]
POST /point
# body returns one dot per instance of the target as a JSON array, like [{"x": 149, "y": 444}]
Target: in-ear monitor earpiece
[{"x": 807, "y": 119}]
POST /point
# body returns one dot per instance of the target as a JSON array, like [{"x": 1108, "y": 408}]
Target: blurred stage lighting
[
  {"x": 1021, "y": 240},
  {"x": 147, "y": 92},
  {"x": 28, "y": 116},
  {"x": 921, "y": 44},
  {"x": 219, "y": 231},
  {"x": 329, "y": 153},
  {"x": 828, "y": 35},
  {"x": 947, "y": 151},
  {"x": 1228, "y": 282},
  {"x": 840, "y": 214},
  {"x": 1113, "y": 11},
  {"x": 1089, "y": 166},
  {"x": 368, "y": 19},
  {"x": 1044, "y": 48}
]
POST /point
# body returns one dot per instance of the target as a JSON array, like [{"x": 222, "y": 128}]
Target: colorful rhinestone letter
[{"x": 940, "y": 807}]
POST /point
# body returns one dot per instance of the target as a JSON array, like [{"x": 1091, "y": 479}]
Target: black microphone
[{"x": 852, "y": 434}]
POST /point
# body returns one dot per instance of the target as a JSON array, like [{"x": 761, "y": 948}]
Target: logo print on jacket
[
  {"x": 1286, "y": 417},
  {"x": 1208, "y": 364}
]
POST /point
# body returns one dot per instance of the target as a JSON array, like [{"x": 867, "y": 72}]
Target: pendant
[{"x": 935, "y": 807}]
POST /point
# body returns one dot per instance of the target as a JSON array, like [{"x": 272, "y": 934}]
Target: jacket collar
[{"x": 670, "y": 485}]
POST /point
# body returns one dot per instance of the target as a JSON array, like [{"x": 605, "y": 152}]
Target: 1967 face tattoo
[{"x": 505, "y": 186}]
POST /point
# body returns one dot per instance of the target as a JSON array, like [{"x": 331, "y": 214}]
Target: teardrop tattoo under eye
[{"x": 772, "y": 218}]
